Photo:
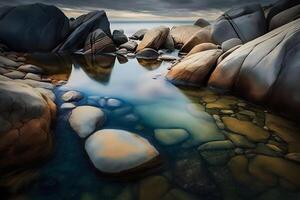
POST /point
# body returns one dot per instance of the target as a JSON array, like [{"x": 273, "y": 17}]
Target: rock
[
  {"x": 228, "y": 52},
  {"x": 240, "y": 141},
  {"x": 26, "y": 140},
  {"x": 30, "y": 69},
  {"x": 85, "y": 119},
  {"x": 139, "y": 35},
  {"x": 119, "y": 37},
  {"x": 113, "y": 103},
  {"x": 130, "y": 46},
  {"x": 248, "y": 129},
  {"x": 171, "y": 136},
  {"x": 217, "y": 157},
  {"x": 202, "y": 23},
  {"x": 192, "y": 176},
  {"x": 47, "y": 93},
  {"x": 181, "y": 34},
  {"x": 87, "y": 26},
  {"x": 47, "y": 25},
  {"x": 122, "y": 51},
  {"x": 5, "y": 62},
  {"x": 280, "y": 10},
  {"x": 194, "y": 69},
  {"x": 169, "y": 43},
  {"x": 4, "y": 71},
  {"x": 216, "y": 145},
  {"x": 147, "y": 54},
  {"x": 202, "y": 47},
  {"x": 225, "y": 102},
  {"x": 117, "y": 151},
  {"x": 293, "y": 156},
  {"x": 154, "y": 38},
  {"x": 98, "y": 42},
  {"x": 153, "y": 187},
  {"x": 231, "y": 43},
  {"x": 131, "y": 55},
  {"x": 167, "y": 116},
  {"x": 249, "y": 113},
  {"x": 236, "y": 23},
  {"x": 32, "y": 76},
  {"x": 15, "y": 75},
  {"x": 37, "y": 84},
  {"x": 72, "y": 96},
  {"x": 202, "y": 36},
  {"x": 165, "y": 57},
  {"x": 244, "y": 71},
  {"x": 67, "y": 106}
]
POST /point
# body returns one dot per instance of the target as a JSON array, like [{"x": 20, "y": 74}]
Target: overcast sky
[{"x": 146, "y": 9}]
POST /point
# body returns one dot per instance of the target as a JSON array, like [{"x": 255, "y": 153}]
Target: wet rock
[
  {"x": 216, "y": 157},
  {"x": 210, "y": 98},
  {"x": 116, "y": 151},
  {"x": 261, "y": 148},
  {"x": 181, "y": 34},
  {"x": 47, "y": 25},
  {"x": 169, "y": 43},
  {"x": 201, "y": 22},
  {"x": 165, "y": 57},
  {"x": 30, "y": 69},
  {"x": 25, "y": 117},
  {"x": 293, "y": 156},
  {"x": 147, "y": 54},
  {"x": 249, "y": 113},
  {"x": 154, "y": 38},
  {"x": 15, "y": 75},
  {"x": 248, "y": 129},
  {"x": 122, "y": 51},
  {"x": 67, "y": 106},
  {"x": 202, "y": 36},
  {"x": 85, "y": 119},
  {"x": 202, "y": 47},
  {"x": 191, "y": 175},
  {"x": 244, "y": 72},
  {"x": 194, "y": 69},
  {"x": 4, "y": 71},
  {"x": 222, "y": 103},
  {"x": 153, "y": 187},
  {"x": 231, "y": 43},
  {"x": 71, "y": 96},
  {"x": 139, "y": 35},
  {"x": 216, "y": 145},
  {"x": 227, "y": 112},
  {"x": 240, "y": 141},
  {"x": 98, "y": 42},
  {"x": 119, "y": 37},
  {"x": 130, "y": 46},
  {"x": 113, "y": 103},
  {"x": 170, "y": 136},
  {"x": 236, "y": 23},
  {"x": 32, "y": 76}
]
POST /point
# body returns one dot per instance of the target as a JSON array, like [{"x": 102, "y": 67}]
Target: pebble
[
  {"x": 113, "y": 103},
  {"x": 72, "y": 96},
  {"x": 67, "y": 106},
  {"x": 293, "y": 157}
]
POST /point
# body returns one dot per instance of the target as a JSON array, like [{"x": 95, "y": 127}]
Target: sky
[{"x": 145, "y": 9}]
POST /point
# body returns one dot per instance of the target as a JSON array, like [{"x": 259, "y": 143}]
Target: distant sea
[{"x": 130, "y": 27}]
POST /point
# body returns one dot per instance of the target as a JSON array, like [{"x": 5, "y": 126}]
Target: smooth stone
[
  {"x": 217, "y": 157},
  {"x": 231, "y": 43},
  {"x": 216, "y": 145},
  {"x": 130, "y": 45},
  {"x": 85, "y": 119},
  {"x": 153, "y": 187},
  {"x": 170, "y": 136},
  {"x": 181, "y": 34},
  {"x": 116, "y": 151},
  {"x": 261, "y": 148},
  {"x": 202, "y": 36},
  {"x": 139, "y": 35},
  {"x": 15, "y": 75},
  {"x": 293, "y": 156},
  {"x": 49, "y": 93},
  {"x": 3, "y": 70},
  {"x": 202, "y": 47},
  {"x": 5, "y": 62},
  {"x": 67, "y": 106},
  {"x": 239, "y": 151},
  {"x": 210, "y": 98},
  {"x": 201, "y": 22},
  {"x": 222, "y": 103},
  {"x": 227, "y": 112},
  {"x": 113, "y": 103},
  {"x": 240, "y": 141},
  {"x": 37, "y": 84},
  {"x": 30, "y": 69},
  {"x": 169, "y": 43},
  {"x": 165, "y": 57},
  {"x": 122, "y": 51},
  {"x": 32, "y": 76},
  {"x": 119, "y": 37},
  {"x": 154, "y": 38},
  {"x": 71, "y": 96},
  {"x": 248, "y": 113},
  {"x": 131, "y": 55},
  {"x": 131, "y": 118},
  {"x": 248, "y": 129},
  {"x": 147, "y": 54}
]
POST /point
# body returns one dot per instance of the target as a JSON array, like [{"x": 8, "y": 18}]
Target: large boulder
[
  {"x": 154, "y": 38},
  {"x": 202, "y": 47},
  {"x": 265, "y": 70},
  {"x": 81, "y": 28},
  {"x": 181, "y": 34},
  {"x": 25, "y": 136},
  {"x": 119, "y": 37},
  {"x": 33, "y": 28},
  {"x": 116, "y": 151},
  {"x": 246, "y": 23},
  {"x": 194, "y": 69}
]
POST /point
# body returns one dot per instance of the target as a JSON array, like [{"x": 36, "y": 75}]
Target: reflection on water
[{"x": 217, "y": 170}]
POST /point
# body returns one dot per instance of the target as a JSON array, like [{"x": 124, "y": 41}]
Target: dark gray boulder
[
  {"x": 229, "y": 44},
  {"x": 265, "y": 70},
  {"x": 119, "y": 37},
  {"x": 202, "y": 23},
  {"x": 81, "y": 28},
  {"x": 33, "y": 28},
  {"x": 130, "y": 46},
  {"x": 139, "y": 35},
  {"x": 147, "y": 54},
  {"x": 246, "y": 23}
]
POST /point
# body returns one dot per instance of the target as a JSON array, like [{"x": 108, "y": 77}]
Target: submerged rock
[
  {"x": 85, "y": 119},
  {"x": 171, "y": 136},
  {"x": 194, "y": 69},
  {"x": 147, "y": 54},
  {"x": 153, "y": 187},
  {"x": 72, "y": 96},
  {"x": 154, "y": 38},
  {"x": 116, "y": 151}
]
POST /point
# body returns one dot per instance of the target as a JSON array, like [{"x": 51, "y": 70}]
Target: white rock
[
  {"x": 115, "y": 151},
  {"x": 85, "y": 119},
  {"x": 67, "y": 106},
  {"x": 171, "y": 136},
  {"x": 71, "y": 96},
  {"x": 114, "y": 103}
]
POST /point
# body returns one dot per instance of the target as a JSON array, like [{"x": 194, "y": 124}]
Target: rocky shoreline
[{"x": 251, "y": 51}]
